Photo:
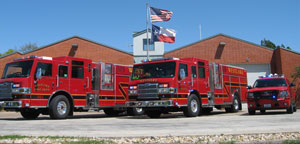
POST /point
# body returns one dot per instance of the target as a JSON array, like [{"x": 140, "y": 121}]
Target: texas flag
[{"x": 163, "y": 34}]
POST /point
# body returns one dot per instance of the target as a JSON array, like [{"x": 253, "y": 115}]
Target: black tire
[
  {"x": 153, "y": 113},
  {"x": 135, "y": 111},
  {"x": 251, "y": 112},
  {"x": 262, "y": 111},
  {"x": 59, "y": 107},
  {"x": 235, "y": 107},
  {"x": 112, "y": 112},
  {"x": 290, "y": 110},
  {"x": 207, "y": 110},
  {"x": 29, "y": 113},
  {"x": 193, "y": 106}
]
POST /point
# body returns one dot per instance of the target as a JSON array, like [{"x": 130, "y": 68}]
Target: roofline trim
[{"x": 216, "y": 36}]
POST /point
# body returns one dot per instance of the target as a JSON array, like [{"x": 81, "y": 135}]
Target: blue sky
[{"x": 112, "y": 22}]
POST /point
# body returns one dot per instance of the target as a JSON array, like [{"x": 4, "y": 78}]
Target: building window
[{"x": 151, "y": 45}]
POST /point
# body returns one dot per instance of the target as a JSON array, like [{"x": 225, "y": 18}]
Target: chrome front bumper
[
  {"x": 161, "y": 103},
  {"x": 11, "y": 104}
]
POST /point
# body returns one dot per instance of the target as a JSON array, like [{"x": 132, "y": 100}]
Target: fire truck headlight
[
  {"x": 132, "y": 87},
  {"x": 163, "y": 90},
  {"x": 16, "y": 85},
  {"x": 250, "y": 95},
  {"x": 21, "y": 90},
  {"x": 283, "y": 94},
  {"x": 132, "y": 92},
  {"x": 172, "y": 90},
  {"x": 163, "y": 85}
]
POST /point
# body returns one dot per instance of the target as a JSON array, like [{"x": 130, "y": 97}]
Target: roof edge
[{"x": 220, "y": 34}]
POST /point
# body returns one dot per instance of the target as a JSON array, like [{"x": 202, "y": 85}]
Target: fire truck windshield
[
  {"x": 17, "y": 69},
  {"x": 278, "y": 82},
  {"x": 154, "y": 70}
]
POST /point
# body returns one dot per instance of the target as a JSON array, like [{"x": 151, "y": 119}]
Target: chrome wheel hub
[
  {"x": 61, "y": 108},
  {"x": 194, "y": 106}
]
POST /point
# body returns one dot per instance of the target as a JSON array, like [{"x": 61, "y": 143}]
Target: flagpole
[{"x": 147, "y": 8}]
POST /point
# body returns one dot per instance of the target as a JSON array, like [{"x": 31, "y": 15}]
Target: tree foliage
[
  {"x": 270, "y": 44},
  {"x": 24, "y": 49},
  {"x": 9, "y": 51},
  {"x": 296, "y": 74},
  {"x": 28, "y": 47}
]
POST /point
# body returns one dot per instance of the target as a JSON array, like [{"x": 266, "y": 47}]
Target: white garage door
[{"x": 254, "y": 71}]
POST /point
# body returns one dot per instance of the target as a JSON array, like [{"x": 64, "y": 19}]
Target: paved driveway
[{"x": 175, "y": 124}]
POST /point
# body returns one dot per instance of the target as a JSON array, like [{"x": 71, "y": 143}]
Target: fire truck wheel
[
  {"x": 290, "y": 110},
  {"x": 30, "y": 113},
  {"x": 153, "y": 113},
  {"x": 112, "y": 112},
  {"x": 135, "y": 111},
  {"x": 235, "y": 105},
  {"x": 193, "y": 107},
  {"x": 59, "y": 107},
  {"x": 262, "y": 111},
  {"x": 251, "y": 112}
]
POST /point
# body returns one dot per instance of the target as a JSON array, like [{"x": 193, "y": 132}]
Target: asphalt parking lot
[{"x": 97, "y": 124}]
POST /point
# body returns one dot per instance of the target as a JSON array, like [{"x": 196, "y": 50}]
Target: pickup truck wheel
[
  {"x": 290, "y": 110},
  {"x": 251, "y": 112},
  {"x": 135, "y": 111},
  {"x": 59, "y": 107},
  {"x": 153, "y": 113},
  {"x": 29, "y": 113},
  {"x": 193, "y": 107}
]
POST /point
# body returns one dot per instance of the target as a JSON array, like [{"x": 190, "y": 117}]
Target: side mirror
[
  {"x": 249, "y": 87},
  {"x": 292, "y": 84},
  {"x": 38, "y": 74},
  {"x": 182, "y": 74}
]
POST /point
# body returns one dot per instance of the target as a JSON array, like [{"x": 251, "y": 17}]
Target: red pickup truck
[{"x": 271, "y": 92}]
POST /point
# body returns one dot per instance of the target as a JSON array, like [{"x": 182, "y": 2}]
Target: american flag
[{"x": 159, "y": 15}]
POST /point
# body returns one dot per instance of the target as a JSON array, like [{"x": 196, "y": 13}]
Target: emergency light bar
[
  {"x": 33, "y": 56},
  {"x": 159, "y": 59},
  {"x": 271, "y": 75}
]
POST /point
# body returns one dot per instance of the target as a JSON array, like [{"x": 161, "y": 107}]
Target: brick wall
[{"x": 234, "y": 51}]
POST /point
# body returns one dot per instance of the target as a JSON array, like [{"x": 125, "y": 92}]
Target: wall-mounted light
[
  {"x": 222, "y": 43},
  {"x": 247, "y": 59},
  {"x": 74, "y": 45}
]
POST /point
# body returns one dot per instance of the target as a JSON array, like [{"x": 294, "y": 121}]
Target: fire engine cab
[
  {"x": 190, "y": 85},
  {"x": 59, "y": 86},
  {"x": 271, "y": 92}
]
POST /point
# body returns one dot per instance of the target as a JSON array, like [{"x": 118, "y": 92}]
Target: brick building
[{"x": 77, "y": 47}]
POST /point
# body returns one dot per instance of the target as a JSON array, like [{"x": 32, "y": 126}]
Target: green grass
[
  {"x": 90, "y": 142},
  {"x": 13, "y": 137},
  {"x": 291, "y": 142}
]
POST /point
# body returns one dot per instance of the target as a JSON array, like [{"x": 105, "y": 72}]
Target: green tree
[
  {"x": 296, "y": 74},
  {"x": 270, "y": 44},
  {"x": 28, "y": 47},
  {"x": 9, "y": 51}
]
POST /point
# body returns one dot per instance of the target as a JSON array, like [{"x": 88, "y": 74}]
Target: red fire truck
[
  {"x": 190, "y": 85},
  {"x": 59, "y": 86},
  {"x": 271, "y": 92}
]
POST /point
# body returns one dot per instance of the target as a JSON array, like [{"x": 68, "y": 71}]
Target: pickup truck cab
[{"x": 271, "y": 92}]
